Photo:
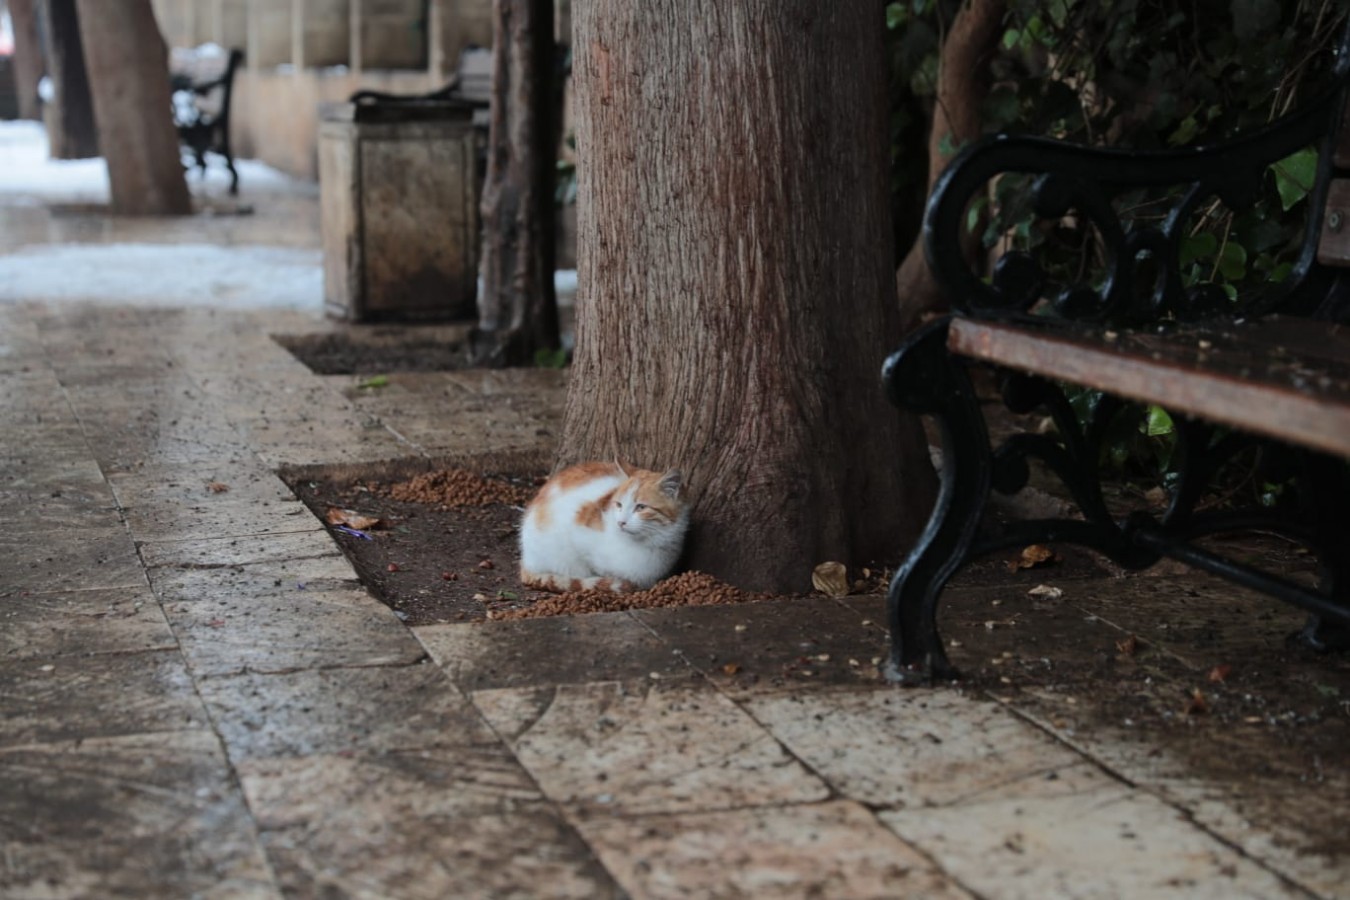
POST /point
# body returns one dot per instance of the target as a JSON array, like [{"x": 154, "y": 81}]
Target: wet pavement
[{"x": 199, "y": 700}]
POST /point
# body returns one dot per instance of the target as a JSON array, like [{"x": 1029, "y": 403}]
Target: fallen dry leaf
[
  {"x": 1129, "y": 646},
  {"x": 1220, "y": 673},
  {"x": 336, "y": 515},
  {"x": 1197, "y": 705},
  {"x": 831, "y": 579},
  {"x": 731, "y": 668},
  {"x": 1046, "y": 591},
  {"x": 217, "y": 487},
  {"x": 1033, "y": 556}
]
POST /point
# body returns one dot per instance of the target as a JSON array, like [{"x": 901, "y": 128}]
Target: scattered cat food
[
  {"x": 449, "y": 576},
  {"x": 487, "y": 564},
  {"x": 731, "y": 668},
  {"x": 686, "y": 589},
  {"x": 1129, "y": 646},
  {"x": 459, "y": 487}
]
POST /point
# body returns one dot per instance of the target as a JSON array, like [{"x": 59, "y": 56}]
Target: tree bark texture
[
  {"x": 961, "y": 85},
  {"x": 129, "y": 74},
  {"x": 28, "y": 66},
  {"x": 71, "y": 133},
  {"x": 736, "y": 282},
  {"x": 518, "y": 312}
]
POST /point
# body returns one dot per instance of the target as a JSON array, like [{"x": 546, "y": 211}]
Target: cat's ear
[
  {"x": 623, "y": 470},
  {"x": 671, "y": 482}
]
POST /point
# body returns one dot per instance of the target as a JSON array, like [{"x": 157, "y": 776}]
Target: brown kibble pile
[
  {"x": 687, "y": 589},
  {"x": 459, "y": 487}
]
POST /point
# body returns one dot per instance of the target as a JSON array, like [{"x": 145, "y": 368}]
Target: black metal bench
[
  {"x": 1269, "y": 368},
  {"x": 202, "y": 80}
]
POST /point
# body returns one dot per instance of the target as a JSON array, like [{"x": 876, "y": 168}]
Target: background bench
[
  {"x": 202, "y": 79},
  {"x": 1267, "y": 368}
]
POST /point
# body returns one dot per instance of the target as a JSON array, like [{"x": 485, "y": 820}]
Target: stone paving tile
[
  {"x": 207, "y": 500},
  {"x": 888, "y": 747},
  {"x": 58, "y": 509},
  {"x": 82, "y": 623},
  {"x": 835, "y": 849},
  {"x": 186, "y": 583},
  {"x": 551, "y": 650},
  {"x": 63, "y": 698},
  {"x": 447, "y": 822},
  {"x": 341, "y": 711},
  {"x": 226, "y": 632},
  {"x": 752, "y": 647},
  {"x": 73, "y": 471},
  {"x": 626, "y": 749},
  {"x": 48, "y": 562},
  {"x": 1265, "y": 824},
  {"x": 1103, "y": 839},
  {"x": 135, "y": 816},
  {"x": 322, "y": 438},
  {"x": 311, "y": 542}
]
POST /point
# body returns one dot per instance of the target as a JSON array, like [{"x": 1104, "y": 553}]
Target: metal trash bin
[{"x": 398, "y": 188}]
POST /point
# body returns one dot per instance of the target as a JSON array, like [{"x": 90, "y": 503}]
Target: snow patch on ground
[{"x": 174, "y": 275}]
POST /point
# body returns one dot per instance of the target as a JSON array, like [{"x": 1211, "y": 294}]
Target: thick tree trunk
[
  {"x": 129, "y": 72},
  {"x": 735, "y": 271},
  {"x": 70, "y": 115},
  {"x": 961, "y": 85},
  {"x": 27, "y": 57},
  {"x": 518, "y": 312}
]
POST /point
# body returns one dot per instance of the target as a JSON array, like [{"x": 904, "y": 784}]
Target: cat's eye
[
  {"x": 618, "y": 504},
  {"x": 640, "y": 507}
]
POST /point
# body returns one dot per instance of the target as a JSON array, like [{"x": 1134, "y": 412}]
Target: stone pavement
[{"x": 197, "y": 698}]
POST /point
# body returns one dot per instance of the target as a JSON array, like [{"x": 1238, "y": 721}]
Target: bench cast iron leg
[{"x": 922, "y": 377}]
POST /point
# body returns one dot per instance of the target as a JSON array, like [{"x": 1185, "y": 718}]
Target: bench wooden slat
[{"x": 1284, "y": 378}]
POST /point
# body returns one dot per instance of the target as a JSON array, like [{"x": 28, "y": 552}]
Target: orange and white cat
[{"x": 603, "y": 525}]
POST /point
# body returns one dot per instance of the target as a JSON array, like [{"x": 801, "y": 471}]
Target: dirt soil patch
[
  {"x": 377, "y": 349},
  {"x": 439, "y": 544}
]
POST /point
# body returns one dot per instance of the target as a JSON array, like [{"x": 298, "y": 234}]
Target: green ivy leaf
[
  {"x": 1011, "y": 37},
  {"x": 1233, "y": 261},
  {"x": 373, "y": 382},
  {"x": 1294, "y": 176},
  {"x": 1158, "y": 422},
  {"x": 896, "y": 15},
  {"x": 1185, "y": 132},
  {"x": 550, "y": 359},
  {"x": 1198, "y": 246}
]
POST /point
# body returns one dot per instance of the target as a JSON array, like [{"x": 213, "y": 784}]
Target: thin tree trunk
[
  {"x": 71, "y": 133},
  {"x": 129, "y": 72},
  {"x": 961, "y": 86},
  {"x": 518, "y": 312},
  {"x": 27, "y": 57},
  {"x": 735, "y": 272}
]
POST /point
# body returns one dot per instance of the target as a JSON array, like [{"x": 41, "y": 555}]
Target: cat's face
[{"x": 647, "y": 504}]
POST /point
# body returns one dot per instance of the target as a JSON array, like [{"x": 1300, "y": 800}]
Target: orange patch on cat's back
[
  {"x": 592, "y": 515},
  {"x": 581, "y": 473}
]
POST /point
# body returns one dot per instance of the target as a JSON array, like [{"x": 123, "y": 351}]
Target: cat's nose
[{"x": 623, "y": 523}]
